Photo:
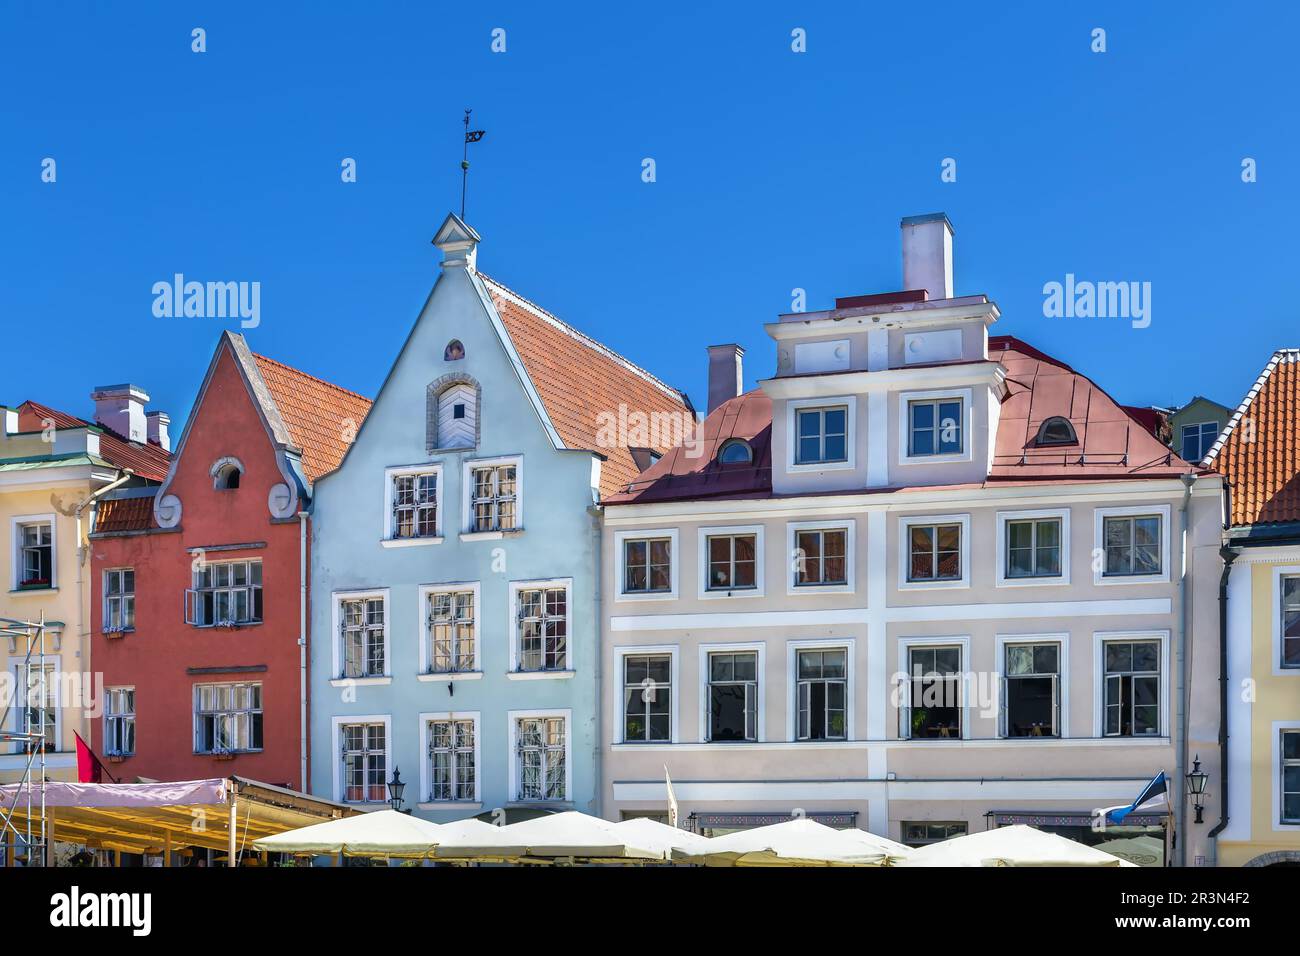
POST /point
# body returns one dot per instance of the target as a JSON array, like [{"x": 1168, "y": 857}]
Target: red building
[{"x": 200, "y": 585}]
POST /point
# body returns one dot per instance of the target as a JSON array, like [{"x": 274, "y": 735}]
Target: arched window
[
  {"x": 1056, "y": 431},
  {"x": 226, "y": 474},
  {"x": 454, "y": 351},
  {"x": 736, "y": 451}
]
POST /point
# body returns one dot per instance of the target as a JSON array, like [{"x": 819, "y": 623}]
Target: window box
[
  {"x": 115, "y": 758},
  {"x": 116, "y": 633}
]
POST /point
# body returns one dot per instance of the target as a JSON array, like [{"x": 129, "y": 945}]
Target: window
[
  {"x": 365, "y": 762},
  {"x": 1033, "y": 548},
  {"x": 225, "y": 475},
  {"x": 647, "y": 697},
  {"x": 1133, "y": 545},
  {"x": 1056, "y": 431},
  {"x": 735, "y": 452},
  {"x": 227, "y": 718},
  {"x": 1290, "y": 776},
  {"x": 119, "y": 600},
  {"x": 36, "y": 710},
  {"x": 119, "y": 722},
  {"x": 1031, "y": 688},
  {"x": 225, "y": 595},
  {"x": 415, "y": 505},
  {"x": 919, "y": 834},
  {"x": 454, "y": 351},
  {"x": 821, "y": 692},
  {"x": 457, "y": 410},
  {"x": 451, "y": 631},
  {"x": 932, "y": 705},
  {"x": 1132, "y": 688},
  {"x": 733, "y": 562},
  {"x": 934, "y": 427},
  {"x": 647, "y": 565},
  {"x": 733, "y": 696},
  {"x": 821, "y": 557},
  {"x": 543, "y": 628},
  {"x": 363, "y": 637},
  {"x": 451, "y": 760},
  {"x": 540, "y": 749},
  {"x": 1197, "y": 440},
  {"x": 821, "y": 435},
  {"x": 36, "y": 558},
  {"x": 1290, "y": 620},
  {"x": 935, "y": 552},
  {"x": 493, "y": 506}
]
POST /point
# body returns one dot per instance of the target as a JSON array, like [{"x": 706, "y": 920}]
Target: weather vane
[{"x": 471, "y": 136}]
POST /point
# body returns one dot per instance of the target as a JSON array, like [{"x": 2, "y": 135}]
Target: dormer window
[
  {"x": 453, "y": 403},
  {"x": 1056, "y": 431},
  {"x": 736, "y": 451},
  {"x": 226, "y": 474}
]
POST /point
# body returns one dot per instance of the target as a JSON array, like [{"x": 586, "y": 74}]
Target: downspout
[
  {"x": 1229, "y": 555},
  {"x": 302, "y": 645},
  {"x": 83, "y": 633},
  {"x": 598, "y": 749},
  {"x": 1183, "y": 662}
]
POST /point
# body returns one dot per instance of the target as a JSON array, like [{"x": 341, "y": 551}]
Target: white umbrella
[
  {"x": 557, "y": 835},
  {"x": 646, "y": 832},
  {"x": 798, "y": 842},
  {"x": 1012, "y": 846},
  {"x": 381, "y": 833}
]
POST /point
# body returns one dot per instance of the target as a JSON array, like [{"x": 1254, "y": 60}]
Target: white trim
[
  {"x": 426, "y": 775},
  {"x": 336, "y": 635},
  {"x": 1099, "y": 545},
  {"x": 702, "y": 690},
  {"x": 617, "y": 727},
  {"x": 1276, "y": 764},
  {"x": 792, "y": 528},
  {"x": 905, "y": 523},
  {"x": 1275, "y": 612},
  {"x": 1085, "y": 792},
  {"x": 702, "y": 561},
  {"x": 336, "y": 751},
  {"x": 1099, "y": 640},
  {"x": 905, "y": 399},
  {"x": 1002, "y": 518},
  {"x": 792, "y": 649},
  {"x": 512, "y": 718},
  {"x": 1008, "y": 744},
  {"x": 795, "y": 405},
  {"x": 15, "y": 523},
  {"x": 386, "y": 537},
  {"x": 1062, "y": 640},
  {"x": 512, "y": 628},
  {"x": 877, "y": 431},
  {"x": 903, "y": 669},
  {"x": 674, "y": 565},
  {"x": 467, "y": 494},
  {"x": 1281, "y": 355},
  {"x": 422, "y": 621}
]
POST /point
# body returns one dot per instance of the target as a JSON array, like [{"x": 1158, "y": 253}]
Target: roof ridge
[
  {"x": 582, "y": 336},
  {"x": 315, "y": 378},
  {"x": 1278, "y": 356}
]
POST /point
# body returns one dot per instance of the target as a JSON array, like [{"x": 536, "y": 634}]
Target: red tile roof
[
  {"x": 124, "y": 514},
  {"x": 145, "y": 459},
  {"x": 1259, "y": 450},
  {"x": 578, "y": 379}
]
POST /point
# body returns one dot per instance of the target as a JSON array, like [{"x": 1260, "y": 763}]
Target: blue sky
[{"x": 775, "y": 170}]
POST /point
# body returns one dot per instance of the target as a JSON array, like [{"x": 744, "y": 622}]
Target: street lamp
[
  {"x": 395, "y": 789},
  {"x": 1196, "y": 781}
]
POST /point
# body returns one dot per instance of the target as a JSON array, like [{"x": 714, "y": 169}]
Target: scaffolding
[{"x": 29, "y": 701}]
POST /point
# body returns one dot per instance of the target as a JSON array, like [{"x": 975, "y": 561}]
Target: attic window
[
  {"x": 1056, "y": 431},
  {"x": 736, "y": 452},
  {"x": 454, "y": 351},
  {"x": 226, "y": 477}
]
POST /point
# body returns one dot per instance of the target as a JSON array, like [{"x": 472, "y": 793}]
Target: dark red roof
[
  {"x": 124, "y": 514},
  {"x": 147, "y": 460}
]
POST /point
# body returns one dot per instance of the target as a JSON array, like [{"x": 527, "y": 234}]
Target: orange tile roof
[
  {"x": 1259, "y": 450},
  {"x": 124, "y": 514},
  {"x": 578, "y": 379},
  {"x": 146, "y": 460},
  {"x": 322, "y": 418}
]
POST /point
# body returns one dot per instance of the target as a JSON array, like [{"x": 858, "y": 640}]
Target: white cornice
[
  {"x": 989, "y": 372},
  {"x": 809, "y": 324}
]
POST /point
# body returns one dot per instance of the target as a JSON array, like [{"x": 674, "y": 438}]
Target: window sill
[
  {"x": 117, "y": 758},
  {"x": 540, "y": 675},
  {"x": 410, "y": 542},
  {"x": 225, "y": 627},
  {"x": 360, "y": 681},
  {"x": 1032, "y": 582},
  {"x": 438, "y": 677},
  {"x": 933, "y": 459},
  {"x": 490, "y": 535},
  {"x": 805, "y": 467},
  {"x": 40, "y": 590},
  {"x": 795, "y": 589},
  {"x": 933, "y": 585},
  {"x": 1105, "y": 580},
  {"x": 709, "y": 594},
  {"x": 449, "y": 805},
  {"x": 116, "y": 635}
]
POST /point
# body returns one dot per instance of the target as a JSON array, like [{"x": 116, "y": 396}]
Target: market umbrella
[
  {"x": 659, "y": 836},
  {"x": 1012, "y": 846},
  {"x": 556, "y": 836},
  {"x": 381, "y": 833},
  {"x": 800, "y": 842}
]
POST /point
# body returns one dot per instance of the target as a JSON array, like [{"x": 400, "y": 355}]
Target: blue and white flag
[{"x": 1154, "y": 795}]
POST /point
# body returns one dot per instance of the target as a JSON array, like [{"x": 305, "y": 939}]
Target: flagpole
[{"x": 464, "y": 166}]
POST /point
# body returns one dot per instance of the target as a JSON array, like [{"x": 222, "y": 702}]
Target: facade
[
  {"x": 199, "y": 586},
  {"x": 922, "y": 580},
  {"x": 455, "y": 555},
  {"x": 54, "y": 467},
  {"x": 1259, "y": 456}
]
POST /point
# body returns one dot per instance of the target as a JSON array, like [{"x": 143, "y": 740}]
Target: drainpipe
[
  {"x": 1184, "y": 660},
  {"x": 598, "y": 749},
  {"x": 1229, "y": 555},
  {"x": 302, "y": 645}
]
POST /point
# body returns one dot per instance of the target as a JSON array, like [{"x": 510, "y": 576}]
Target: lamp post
[
  {"x": 1196, "y": 781},
  {"x": 395, "y": 790}
]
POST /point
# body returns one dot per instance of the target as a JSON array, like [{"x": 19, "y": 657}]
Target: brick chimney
[
  {"x": 120, "y": 409},
  {"x": 156, "y": 428},
  {"x": 726, "y": 379},
  {"x": 927, "y": 254}
]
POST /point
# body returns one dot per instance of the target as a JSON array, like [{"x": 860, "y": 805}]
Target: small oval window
[
  {"x": 454, "y": 351},
  {"x": 736, "y": 452},
  {"x": 1056, "y": 431}
]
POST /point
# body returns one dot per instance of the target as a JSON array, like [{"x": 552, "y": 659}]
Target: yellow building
[
  {"x": 1259, "y": 453},
  {"x": 53, "y": 469}
]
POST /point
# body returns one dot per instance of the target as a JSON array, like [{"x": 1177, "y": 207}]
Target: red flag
[{"x": 89, "y": 769}]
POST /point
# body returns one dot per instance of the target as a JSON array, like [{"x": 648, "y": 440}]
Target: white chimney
[
  {"x": 9, "y": 420},
  {"x": 156, "y": 429},
  {"x": 726, "y": 379},
  {"x": 927, "y": 254},
  {"x": 120, "y": 409}
]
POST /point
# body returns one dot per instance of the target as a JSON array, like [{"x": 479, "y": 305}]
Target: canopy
[
  {"x": 1012, "y": 846},
  {"x": 659, "y": 836},
  {"x": 799, "y": 842},
  {"x": 558, "y": 835},
  {"x": 379, "y": 833}
]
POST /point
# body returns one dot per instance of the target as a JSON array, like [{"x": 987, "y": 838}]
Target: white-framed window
[
  {"x": 1196, "y": 440},
  {"x": 821, "y": 693},
  {"x": 731, "y": 561},
  {"x": 540, "y": 625},
  {"x": 225, "y": 594},
  {"x": 932, "y": 697},
  {"x": 227, "y": 718},
  {"x": 647, "y": 565},
  {"x": 649, "y": 695},
  {"x": 934, "y": 551},
  {"x": 1288, "y": 771},
  {"x": 1132, "y": 698},
  {"x": 1033, "y": 547},
  {"x": 36, "y": 707},
  {"x": 1133, "y": 545},
  {"x": 821, "y": 556},
  {"x": 1030, "y": 692},
  {"x": 540, "y": 746},
  {"x": 35, "y": 553},
  {"x": 731, "y": 697},
  {"x": 362, "y": 744},
  {"x": 413, "y": 498},
  {"x": 119, "y": 721},
  {"x": 1286, "y": 621},
  {"x": 820, "y": 433},
  {"x": 119, "y": 600},
  {"x": 494, "y": 496},
  {"x": 451, "y": 614},
  {"x": 935, "y": 426},
  {"x": 921, "y": 833},
  {"x": 451, "y": 748},
  {"x": 361, "y": 635}
]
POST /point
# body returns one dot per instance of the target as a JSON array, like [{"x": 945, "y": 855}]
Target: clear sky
[{"x": 775, "y": 170}]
